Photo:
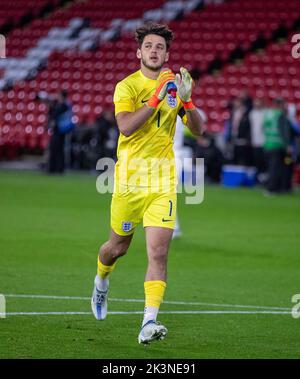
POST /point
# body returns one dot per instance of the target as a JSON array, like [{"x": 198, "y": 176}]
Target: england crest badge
[
  {"x": 172, "y": 101},
  {"x": 127, "y": 226}
]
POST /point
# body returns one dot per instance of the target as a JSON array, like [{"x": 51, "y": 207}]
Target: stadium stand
[
  {"x": 89, "y": 73},
  {"x": 268, "y": 74},
  {"x": 14, "y": 13}
]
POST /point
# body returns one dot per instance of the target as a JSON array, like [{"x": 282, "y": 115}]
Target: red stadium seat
[{"x": 200, "y": 37}]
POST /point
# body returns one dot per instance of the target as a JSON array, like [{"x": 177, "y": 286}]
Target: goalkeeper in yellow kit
[{"x": 145, "y": 174}]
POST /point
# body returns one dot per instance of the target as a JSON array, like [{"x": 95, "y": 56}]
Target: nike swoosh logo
[
  {"x": 145, "y": 101},
  {"x": 163, "y": 220}
]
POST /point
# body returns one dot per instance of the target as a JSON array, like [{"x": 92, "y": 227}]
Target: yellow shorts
[{"x": 130, "y": 207}]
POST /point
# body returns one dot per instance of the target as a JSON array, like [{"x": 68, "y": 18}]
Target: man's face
[
  {"x": 257, "y": 103},
  {"x": 153, "y": 52}
]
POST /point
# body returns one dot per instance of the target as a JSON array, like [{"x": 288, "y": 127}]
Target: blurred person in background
[
  {"x": 295, "y": 130},
  {"x": 256, "y": 117},
  {"x": 246, "y": 100},
  {"x": 80, "y": 138},
  {"x": 106, "y": 133},
  {"x": 59, "y": 123},
  {"x": 91, "y": 142},
  {"x": 292, "y": 154},
  {"x": 277, "y": 145},
  {"x": 178, "y": 147},
  {"x": 237, "y": 132},
  {"x": 213, "y": 157}
]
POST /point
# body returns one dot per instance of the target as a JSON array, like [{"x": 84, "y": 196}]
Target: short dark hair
[
  {"x": 279, "y": 101},
  {"x": 64, "y": 93},
  {"x": 152, "y": 28}
]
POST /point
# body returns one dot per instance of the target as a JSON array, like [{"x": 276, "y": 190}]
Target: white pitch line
[
  {"x": 47, "y": 297},
  {"x": 140, "y": 312},
  {"x": 142, "y": 301},
  {"x": 45, "y": 313},
  {"x": 230, "y": 312}
]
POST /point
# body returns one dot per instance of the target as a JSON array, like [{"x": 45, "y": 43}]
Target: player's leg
[
  {"x": 125, "y": 215},
  {"x": 159, "y": 222},
  {"x": 109, "y": 252},
  {"x": 114, "y": 248},
  {"x": 158, "y": 240}
]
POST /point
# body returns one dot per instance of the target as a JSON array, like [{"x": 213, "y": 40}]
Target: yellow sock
[
  {"x": 103, "y": 270},
  {"x": 154, "y": 292}
]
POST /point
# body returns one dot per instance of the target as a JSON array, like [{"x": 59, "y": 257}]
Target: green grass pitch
[{"x": 238, "y": 249}]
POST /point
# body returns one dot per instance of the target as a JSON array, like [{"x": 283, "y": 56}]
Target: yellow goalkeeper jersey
[{"x": 146, "y": 157}]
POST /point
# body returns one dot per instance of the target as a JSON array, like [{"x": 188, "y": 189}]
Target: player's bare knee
[
  {"x": 104, "y": 247},
  {"x": 158, "y": 254},
  {"x": 119, "y": 250}
]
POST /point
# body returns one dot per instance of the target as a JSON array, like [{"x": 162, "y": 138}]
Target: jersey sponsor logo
[
  {"x": 172, "y": 101},
  {"x": 145, "y": 101},
  {"x": 127, "y": 226}
]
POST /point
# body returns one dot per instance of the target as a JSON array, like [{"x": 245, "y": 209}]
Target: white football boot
[
  {"x": 152, "y": 331},
  {"x": 99, "y": 301}
]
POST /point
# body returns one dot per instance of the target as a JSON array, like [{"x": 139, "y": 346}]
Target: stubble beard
[{"x": 152, "y": 68}]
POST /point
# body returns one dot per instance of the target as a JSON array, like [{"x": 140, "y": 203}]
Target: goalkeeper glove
[
  {"x": 165, "y": 77},
  {"x": 184, "y": 84}
]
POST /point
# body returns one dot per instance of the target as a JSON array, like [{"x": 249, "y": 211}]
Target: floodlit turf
[{"x": 238, "y": 248}]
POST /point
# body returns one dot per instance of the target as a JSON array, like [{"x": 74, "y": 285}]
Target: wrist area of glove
[
  {"x": 153, "y": 102},
  {"x": 188, "y": 105}
]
